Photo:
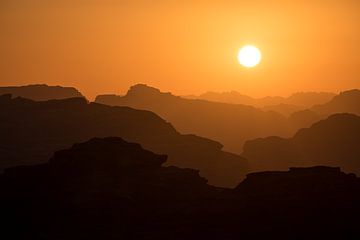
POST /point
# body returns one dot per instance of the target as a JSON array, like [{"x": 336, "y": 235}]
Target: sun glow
[{"x": 249, "y": 56}]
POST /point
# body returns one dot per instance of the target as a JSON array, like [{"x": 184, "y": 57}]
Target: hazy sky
[{"x": 104, "y": 46}]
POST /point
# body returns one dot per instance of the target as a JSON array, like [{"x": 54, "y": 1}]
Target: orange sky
[{"x": 104, "y": 46}]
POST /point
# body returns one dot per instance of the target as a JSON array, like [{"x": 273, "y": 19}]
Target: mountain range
[
  {"x": 107, "y": 188},
  {"x": 31, "y": 131},
  {"x": 41, "y": 92},
  {"x": 230, "y": 124},
  {"x": 345, "y": 102},
  {"x": 300, "y": 99},
  {"x": 334, "y": 141}
]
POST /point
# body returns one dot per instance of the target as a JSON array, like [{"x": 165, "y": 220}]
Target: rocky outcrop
[{"x": 41, "y": 92}]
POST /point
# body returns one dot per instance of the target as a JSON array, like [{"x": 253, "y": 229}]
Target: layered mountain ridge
[
  {"x": 31, "y": 131},
  {"x": 41, "y": 92},
  {"x": 109, "y": 188},
  {"x": 334, "y": 141},
  {"x": 230, "y": 124}
]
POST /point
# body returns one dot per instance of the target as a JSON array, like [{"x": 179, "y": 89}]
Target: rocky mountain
[
  {"x": 304, "y": 119},
  {"x": 41, "y": 92},
  {"x": 334, "y": 141},
  {"x": 284, "y": 109},
  {"x": 111, "y": 189},
  {"x": 300, "y": 99},
  {"x": 309, "y": 99},
  {"x": 31, "y": 131},
  {"x": 96, "y": 188},
  {"x": 232, "y": 97},
  {"x": 230, "y": 124},
  {"x": 345, "y": 102}
]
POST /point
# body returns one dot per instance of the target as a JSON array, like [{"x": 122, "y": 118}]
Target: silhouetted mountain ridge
[
  {"x": 334, "y": 141},
  {"x": 230, "y": 124},
  {"x": 31, "y": 131},
  {"x": 345, "y": 102},
  {"x": 41, "y": 92},
  {"x": 111, "y": 189},
  {"x": 300, "y": 99}
]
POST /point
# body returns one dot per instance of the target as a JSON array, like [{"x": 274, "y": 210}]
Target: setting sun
[
  {"x": 249, "y": 56},
  {"x": 170, "y": 119}
]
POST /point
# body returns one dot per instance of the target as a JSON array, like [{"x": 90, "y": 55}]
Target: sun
[{"x": 249, "y": 56}]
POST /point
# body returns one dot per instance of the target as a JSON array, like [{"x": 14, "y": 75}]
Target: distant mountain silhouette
[
  {"x": 304, "y": 119},
  {"x": 284, "y": 109},
  {"x": 41, "y": 92},
  {"x": 31, "y": 131},
  {"x": 301, "y": 99},
  {"x": 232, "y": 97},
  {"x": 308, "y": 99},
  {"x": 331, "y": 142},
  {"x": 230, "y": 124},
  {"x": 110, "y": 189},
  {"x": 345, "y": 102}
]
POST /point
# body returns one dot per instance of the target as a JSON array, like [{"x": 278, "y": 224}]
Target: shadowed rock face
[
  {"x": 41, "y": 92},
  {"x": 332, "y": 142},
  {"x": 111, "y": 189},
  {"x": 229, "y": 124},
  {"x": 31, "y": 131}
]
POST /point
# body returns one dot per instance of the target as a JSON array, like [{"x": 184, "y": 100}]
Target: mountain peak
[
  {"x": 117, "y": 152},
  {"x": 349, "y": 94},
  {"x": 142, "y": 89},
  {"x": 347, "y": 101},
  {"x": 41, "y": 92}
]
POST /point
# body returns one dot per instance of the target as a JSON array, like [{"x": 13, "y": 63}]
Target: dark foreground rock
[{"x": 111, "y": 189}]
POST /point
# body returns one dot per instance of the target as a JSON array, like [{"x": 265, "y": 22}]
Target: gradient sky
[{"x": 105, "y": 46}]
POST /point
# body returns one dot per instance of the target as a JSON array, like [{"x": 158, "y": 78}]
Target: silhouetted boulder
[
  {"x": 230, "y": 124},
  {"x": 31, "y": 131},
  {"x": 41, "y": 92},
  {"x": 331, "y": 142}
]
